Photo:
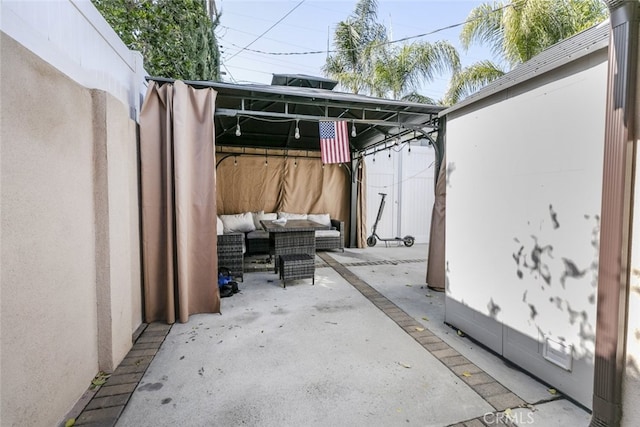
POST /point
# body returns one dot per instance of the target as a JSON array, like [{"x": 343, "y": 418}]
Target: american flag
[{"x": 334, "y": 142}]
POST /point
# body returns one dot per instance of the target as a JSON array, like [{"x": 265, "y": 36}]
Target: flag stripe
[{"x": 334, "y": 142}]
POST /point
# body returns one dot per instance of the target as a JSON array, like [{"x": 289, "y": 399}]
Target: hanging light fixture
[
  {"x": 235, "y": 160},
  {"x": 353, "y": 129},
  {"x": 297, "y": 133},
  {"x": 266, "y": 162},
  {"x": 389, "y": 152},
  {"x": 295, "y": 162},
  {"x": 238, "y": 131}
]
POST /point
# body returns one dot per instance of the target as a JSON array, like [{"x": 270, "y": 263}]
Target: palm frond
[
  {"x": 484, "y": 26},
  {"x": 422, "y": 99},
  {"x": 471, "y": 79},
  {"x": 517, "y": 30}
]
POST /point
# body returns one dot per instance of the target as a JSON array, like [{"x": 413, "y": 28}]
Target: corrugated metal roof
[{"x": 577, "y": 46}]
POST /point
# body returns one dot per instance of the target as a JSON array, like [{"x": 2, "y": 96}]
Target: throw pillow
[
  {"x": 238, "y": 223},
  {"x": 324, "y": 219},
  {"x": 219, "y": 226},
  {"x": 259, "y": 216}
]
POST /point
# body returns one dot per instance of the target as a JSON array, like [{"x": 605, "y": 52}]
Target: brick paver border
[{"x": 108, "y": 401}]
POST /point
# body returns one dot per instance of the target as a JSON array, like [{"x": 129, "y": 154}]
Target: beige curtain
[
  {"x": 246, "y": 184},
  {"x": 361, "y": 207},
  {"x": 179, "y": 243},
  {"x": 436, "y": 274},
  {"x": 288, "y": 184}
]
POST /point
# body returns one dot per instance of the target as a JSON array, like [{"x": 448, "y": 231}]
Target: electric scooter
[{"x": 371, "y": 240}]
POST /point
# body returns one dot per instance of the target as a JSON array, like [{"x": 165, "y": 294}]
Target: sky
[{"x": 308, "y": 26}]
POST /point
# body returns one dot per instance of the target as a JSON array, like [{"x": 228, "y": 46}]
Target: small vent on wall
[{"x": 558, "y": 353}]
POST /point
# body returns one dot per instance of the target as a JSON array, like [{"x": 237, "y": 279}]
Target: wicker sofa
[{"x": 256, "y": 240}]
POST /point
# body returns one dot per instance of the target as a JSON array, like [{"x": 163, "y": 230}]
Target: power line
[
  {"x": 317, "y": 52},
  {"x": 264, "y": 38},
  {"x": 275, "y": 61},
  {"x": 268, "y": 29},
  {"x": 230, "y": 75}
]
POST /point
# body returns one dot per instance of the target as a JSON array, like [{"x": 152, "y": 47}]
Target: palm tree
[
  {"x": 356, "y": 41},
  {"x": 400, "y": 70},
  {"x": 366, "y": 61},
  {"x": 516, "y": 31}
]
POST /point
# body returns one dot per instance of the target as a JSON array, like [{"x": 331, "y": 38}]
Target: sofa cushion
[
  {"x": 258, "y": 234},
  {"x": 289, "y": 215},
  {"x": 327, "y": 233},
  {"x": 219, "y": 226},
  {"x": 259, "y": 216},
  {"x": 323, "y": 219},
  {"x": 238, "y": 223}
]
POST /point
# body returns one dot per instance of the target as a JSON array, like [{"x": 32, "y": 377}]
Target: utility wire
[
  {"x": 317, "y": 52},
  {"x": 227, "y": 29},
  {"x": 230, "y": 75},
  {"x": 267, "y": 30}
]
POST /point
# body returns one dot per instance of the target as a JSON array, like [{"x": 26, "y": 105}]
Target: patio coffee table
[{"x": 296, "y": 236}]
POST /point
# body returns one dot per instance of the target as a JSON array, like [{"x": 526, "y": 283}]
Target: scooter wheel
[
  {"x": 371, "y": 241},
  {"x": 408, "y": 241}
]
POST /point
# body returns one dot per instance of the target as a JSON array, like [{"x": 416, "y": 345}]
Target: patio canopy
[
  {"x": 267, "y": 115},
  {"x": 182, "y": 188}
]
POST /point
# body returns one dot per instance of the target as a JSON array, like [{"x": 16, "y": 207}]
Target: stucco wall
[
  {"x": 57, "y": 239},
  {"x": 524, "y": 180},
  {"x": 117, "y": 235},
  {"x": 74, "y": 38}
]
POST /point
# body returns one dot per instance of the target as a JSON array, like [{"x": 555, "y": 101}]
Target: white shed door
[{"x": 408, "y": 180}]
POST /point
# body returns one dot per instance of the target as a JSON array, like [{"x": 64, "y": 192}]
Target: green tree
[
  {"x": 176, "y": 37},
  {"x": 399, "y": 71},
  {"x": 516, "y": 31},
  {"x": 366, "y": 61},
  {"x": 357, "y": 39}
]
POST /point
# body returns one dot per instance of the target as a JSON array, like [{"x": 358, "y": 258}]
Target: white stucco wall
[{"x": 524, "y": 185}]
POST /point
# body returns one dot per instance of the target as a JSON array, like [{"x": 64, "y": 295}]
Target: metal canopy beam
[{"x": 227, "y": 112}]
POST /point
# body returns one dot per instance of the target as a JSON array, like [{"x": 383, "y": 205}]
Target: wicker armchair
[
  {"x": 231, "y": 253},
  {"x": 332, "y": 242}
]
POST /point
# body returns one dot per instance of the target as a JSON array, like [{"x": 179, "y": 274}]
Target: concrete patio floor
[{"x": 366, "y": 346}]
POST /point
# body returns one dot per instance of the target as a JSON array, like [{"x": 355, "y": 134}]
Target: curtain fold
[
  {"x": 361, "y": 206},
  {"x": 177, "y": 168},
  {"x": 436, "y": 268}
]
